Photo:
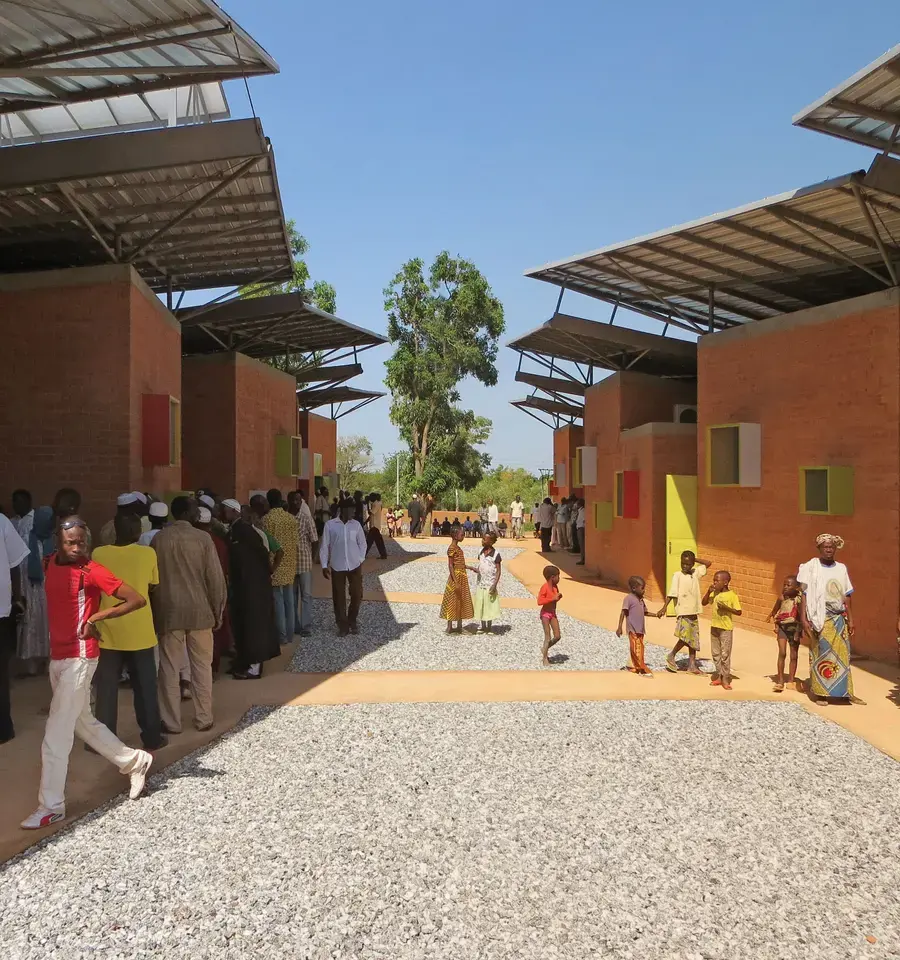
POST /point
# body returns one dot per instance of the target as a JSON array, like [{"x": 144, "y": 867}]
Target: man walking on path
[
  {"x": 188, "y": 605},
  {"x": 374, "y": 533},
  {"x": 74, "y": 585},
  {"x": 12, "y": 606},
  {"x": 283, "y": 528},
  {"x": 130, "y": 642},
  {"x": 517, "y": 515},
  {"x": 493, "y": 517},
  {"x": 415, "y": 517},
  {"x": 546, "y": 516},
  {"x": 342, "y": 553},
  {"x": 306, "y": 537}
]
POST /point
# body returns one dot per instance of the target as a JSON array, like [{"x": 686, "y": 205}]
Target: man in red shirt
[{"x": 73, "y": 585}]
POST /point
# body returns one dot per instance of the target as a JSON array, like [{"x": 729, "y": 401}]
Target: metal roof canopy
[
  {"x": 71, "y": 51},
  {"x": 190, "y": 207},
  {"x": 201, "y": 103},
  {"x": 562, "y": 413},
  {"x": 270, "y": 326},
  {"x": 809, "y": 247},
  {"x": 864, "y": 109},
  {"x": 335, "y": 397},
  {"x": 606, "y": 346}
]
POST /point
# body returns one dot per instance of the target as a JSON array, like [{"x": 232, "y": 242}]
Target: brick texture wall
[
  {"x": 565, "y": 441},
  {"x": 825, "y": 386},
  {"x": 67, "y": 396},
  {"x": 320, "y": 436},
  {"x": 208, "y": 423},
  {"x": 628, "y": 418}
]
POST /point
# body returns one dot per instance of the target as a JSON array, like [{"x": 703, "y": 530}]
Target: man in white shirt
[
  {"x": 546, "y": 515},
  {"x": 579, "y": 529},
  {"x": 13, "y": 551},
  {"x": 342, "y": 553},
  {"x": 517, "y": 513},
  {"x": 493, "y": 517},
  {"x": 562, "y": 524}
]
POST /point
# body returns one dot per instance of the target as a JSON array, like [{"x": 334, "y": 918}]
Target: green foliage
[
  {"x": 354, "y": 463},
  {"x": 444, "y": 330},
  {"x": 501, "y": 485},
  {"x": 321, "y": 294}
]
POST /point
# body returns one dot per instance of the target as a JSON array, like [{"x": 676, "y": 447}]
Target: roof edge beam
[
  {"x": 860, "y": 110},
  {"x": 876, "y": 236}
]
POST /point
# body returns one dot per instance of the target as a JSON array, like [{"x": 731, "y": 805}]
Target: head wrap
[
  {"x": 232, "y": 504},
  {"x": 204, "y": 516},
  {"x": 40, "y": 542},
  {"x": 830, "y": 538},
  {"x": 125, "y": 498},
  {"x": 159, "y": 509},
  {"x": 142, "y": 497},
  {"x": 207, "y": 501}
]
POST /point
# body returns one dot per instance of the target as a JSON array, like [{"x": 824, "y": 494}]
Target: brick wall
[
  {"x": 319, "y": 436},
  {"x": 265, "y": 407},
  {"x": 825, "y": 386},
  {"x": 67, "y": 395},
  {"x": 565, "y": 441},
  {"x": 628, "y": 418},
  {"x": 208, "y": 423}
]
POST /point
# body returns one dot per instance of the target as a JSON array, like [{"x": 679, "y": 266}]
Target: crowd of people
[{"x": 158, "y": 600}]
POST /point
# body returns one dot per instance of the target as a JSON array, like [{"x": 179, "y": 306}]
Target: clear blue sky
[{"x": 514, "y": 133}]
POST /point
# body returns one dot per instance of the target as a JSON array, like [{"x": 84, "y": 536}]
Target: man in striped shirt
[{"x": 306, "y": 537}]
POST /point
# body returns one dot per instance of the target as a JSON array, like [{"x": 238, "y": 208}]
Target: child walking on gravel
[
  {"x": 788, "y": 615},
  {"x": 548, "y": 597},
  {"x": 487, "y": 601},
  {"x": 726, "y": 605},
  {"x": 633, "y": 611},
  {"x": 685, "y": 591}
]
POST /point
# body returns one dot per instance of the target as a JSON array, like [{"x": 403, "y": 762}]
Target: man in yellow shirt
[
  {"x": 726, "y": 605},
  {"x": 283, "y": 527},
  {"x": 130, "y": 640}
]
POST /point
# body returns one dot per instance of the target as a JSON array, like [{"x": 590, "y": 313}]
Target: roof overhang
[
  {"x": 201, "y": 103},
  {"x": 65, "y": 53},
  {"x": 809, "y": 247},
  {"x": 609, "y": 347},
  {"x": 339, "y": 373},
  {"x": 551, "y": 385},
  {"x": 275, "y": 325},
  {"x": 336, "y": 397},
  {"x": 561, "y": 414},
  {"x": 192, "y": 207},
  {"x": 864, "y": 109}
]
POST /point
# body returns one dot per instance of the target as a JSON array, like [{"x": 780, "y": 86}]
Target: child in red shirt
[{"x": 548, "y": 597}]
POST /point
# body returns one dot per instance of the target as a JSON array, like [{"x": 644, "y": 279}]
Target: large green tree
[
  {"x": 320, "y": 294},
  {"x": 444, "y": 329},
  {"x": 354, "y": 463}
]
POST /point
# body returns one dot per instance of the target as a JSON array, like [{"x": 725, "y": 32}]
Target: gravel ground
[
  {"x": 489, "y": 831},
  {"x": 409, "y": 636},
  {"x": 395, "y": 575},
  {"x": 397, "y": 548}
]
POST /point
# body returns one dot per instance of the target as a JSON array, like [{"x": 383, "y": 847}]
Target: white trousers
[{"x": 70, "y": 714}]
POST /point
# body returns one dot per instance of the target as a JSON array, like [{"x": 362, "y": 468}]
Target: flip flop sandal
[{"x": 671, "y": 666}]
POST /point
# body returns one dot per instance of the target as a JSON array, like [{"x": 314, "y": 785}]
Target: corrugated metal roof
[
  {"x": 198, "y": 206},
  {"x": 270, "y": 326},
  {"x": 808, "y": 247},
  {"x": 864, "y": 109},
  {"x": 336, "y": 397},
  {"x": 72, "y": 51},
  {"x": 569, "y": 412},
  {"x": 200, "y": 103}
]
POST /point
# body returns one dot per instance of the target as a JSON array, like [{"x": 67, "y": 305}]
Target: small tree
[
  {"x": 354, "y": 461},
  {"x": 444, "y": 330}
]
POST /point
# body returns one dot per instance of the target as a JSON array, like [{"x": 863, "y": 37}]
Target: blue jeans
[
  {"x": 303, "y": 593},
  {"x": 284, "y": 612}
]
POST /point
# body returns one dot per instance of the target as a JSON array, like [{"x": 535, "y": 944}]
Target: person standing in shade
[
  {"x": 223, "y": 642},
  {"x": 252, "y": 602},
  {"x": 415, "y": 516},
  {"x": 74, "y": 585},
  {"x": 159, "y": 517},
  {"x": 188, "y": 604},
  {"x": 322, "y": 511},
  {"x": 517, "y": 515},
  {"x": 35, "y": 527},
  {"x": 126, "y": 503},
  {"x": 342, "y": 553},
  {"x": 306, "y": 537},
  {"x": 13, "y": 551},
  {"x": 374, "y": 532},
  {"x": 579, "y": 524},
  {"x": 562, "y": 524},
  {"x": 130, "y": 641},
  {"x": 545, "y": 519},
  {"x": 283, "y": 528}
]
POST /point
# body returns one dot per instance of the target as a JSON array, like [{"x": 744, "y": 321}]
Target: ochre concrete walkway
[{"x": 92, "y": 781}]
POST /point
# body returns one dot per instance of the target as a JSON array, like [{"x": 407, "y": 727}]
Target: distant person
[
  {"x": 579, "y": 530},
  {"x": 487, "y": 599},
  {"x": 414, "y": 509},
  {"x": 457, "y": 602},
  {"x": 502, "y": 528},
  {"x": 13, "y": 551},
  {"x": 373, "y": 535},
  {"x": 342, "y": 553},
  {"x": 493, "y": 517},
  {"x": 435, "y": 528},
  {"x": 545, "y": 519},
  {"x": 548, "y": 597},
  {"x": 446, "y": 528},
  {"x": 283, "y": 527},
  {"x": 159, "y": 517},
  {"x": 517, "y": 515},
  {"x": 468, "y": 526}
]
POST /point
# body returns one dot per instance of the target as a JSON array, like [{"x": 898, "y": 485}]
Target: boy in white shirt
[{"x": 685, "y": 591}]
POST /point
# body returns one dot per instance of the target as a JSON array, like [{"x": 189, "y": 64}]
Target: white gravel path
[
  {"x": 471, "y": 547},
  {"x": 409, "y": 636},
  {"x": 653, "y": 831}
]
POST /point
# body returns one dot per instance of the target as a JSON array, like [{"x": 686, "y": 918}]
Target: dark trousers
[
  {"x": 374, "y": 536},
  {"x": 415, "y": 525},
  {"x": 7, "y": 649},
  {"x": 339, "y": 581},
  {"x": 573, "y": 531},
  {"x": 546, "y": 534},
  {"x": 142, "y": 670}
]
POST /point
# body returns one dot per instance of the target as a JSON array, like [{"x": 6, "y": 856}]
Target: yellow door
[{"x": 681, "y": 522}]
